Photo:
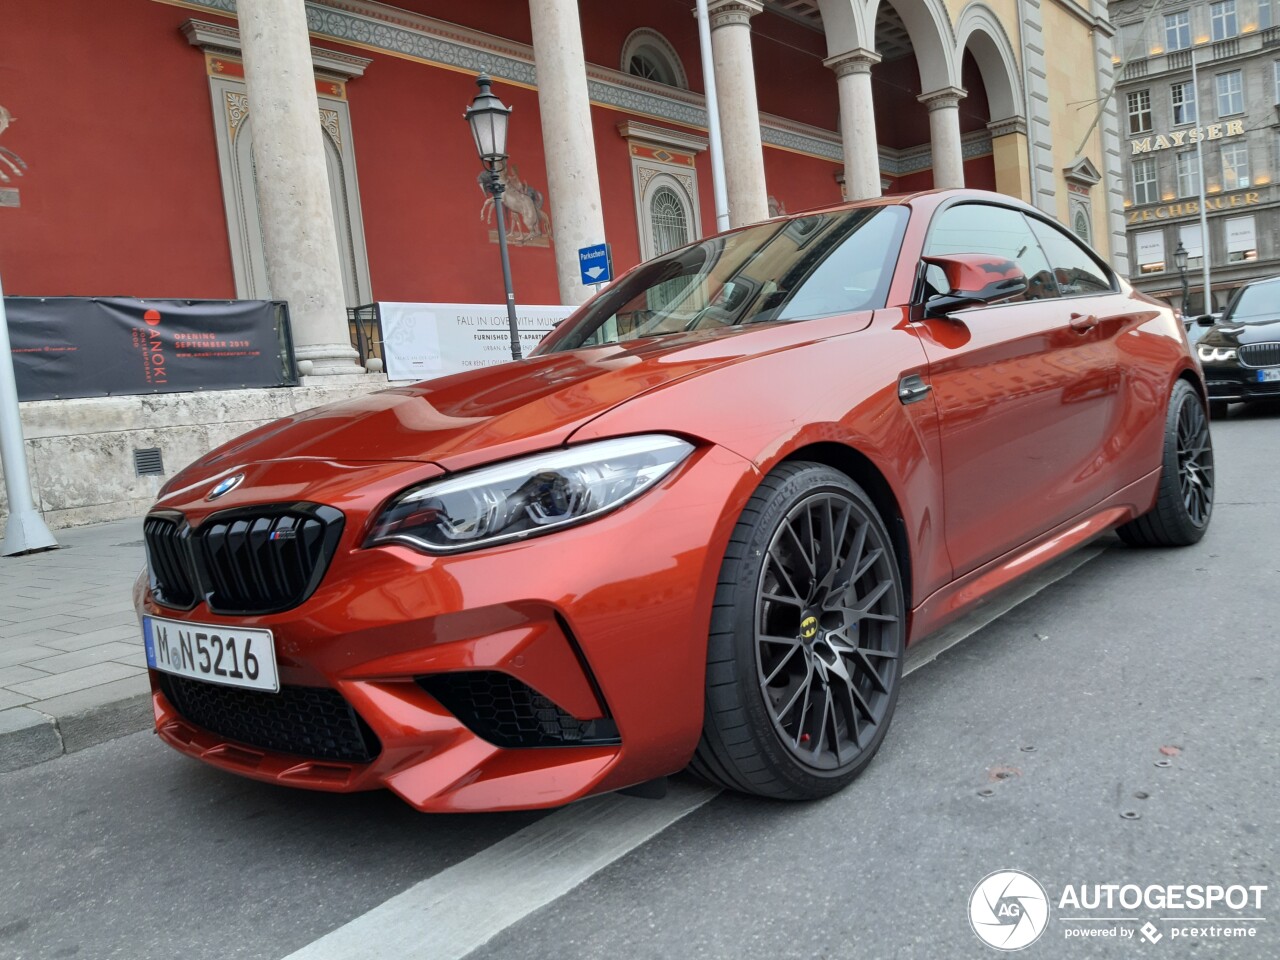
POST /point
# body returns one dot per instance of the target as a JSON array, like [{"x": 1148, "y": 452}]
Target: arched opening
[
  {"x": 649, "y": 55},
  {"x": 912, "y": 39},
  {"x": 987, "y": 54}
]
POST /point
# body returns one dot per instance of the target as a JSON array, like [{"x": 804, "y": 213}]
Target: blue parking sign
[{"x": 595, "y": 263}]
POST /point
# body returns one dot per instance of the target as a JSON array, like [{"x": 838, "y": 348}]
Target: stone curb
[{"x": 29, "y": 735}]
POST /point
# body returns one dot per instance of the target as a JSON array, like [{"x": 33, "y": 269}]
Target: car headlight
[
  {"x": 1210, "y": 354},
  {"x": 528, "y": 496}
]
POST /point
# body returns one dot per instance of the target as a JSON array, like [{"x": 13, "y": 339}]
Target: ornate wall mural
[
  {"x": 11, "y": 165},
  {"x": 528, "y": 224}
]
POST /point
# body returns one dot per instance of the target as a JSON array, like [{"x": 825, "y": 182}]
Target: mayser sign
[{"x": 1184, "y": 138}]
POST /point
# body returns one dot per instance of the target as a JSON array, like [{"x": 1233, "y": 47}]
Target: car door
[{"x": 1023, "y": 390}]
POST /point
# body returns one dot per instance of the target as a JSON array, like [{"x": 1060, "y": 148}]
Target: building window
[
  {"x": 1242, "y": 239},
  {"x": 1145, "y": 187},
  {"x": 1140, "y": 111},
  {"x": 1188, "y": 174},
  {"x": 1275, "y": 69},
  {"x": 1184, "y": 102},
  {"x": 1080, "y": 224},
  {"x": 1235, "y": 166},
  {"x": 1264, "y": 14},
  {"x": 648, "y": 54},
  {"x": 1189, "y": 237},
  {"x": 1150, "y": 251},
  {"x": 1177, "y": 30},
  {"x": 1230, "y": 90},
  {"x": 669, "y": 220},
  {"x": 1223, "y": 17}
]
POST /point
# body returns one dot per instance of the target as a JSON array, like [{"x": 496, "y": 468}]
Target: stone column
[
  {"x": 858, "y": 122},
  {"x": 573, "y": 183},
  {"x": 944, "y": 132},
  {"x": 1009, "y": 154},
  {"x": 739, "y": 109},
  {"x": 299, "y": 236}
]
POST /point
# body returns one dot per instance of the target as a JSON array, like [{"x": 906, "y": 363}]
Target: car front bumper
[
  {"x": 1230, "y": 381},
  {"x": 608, "y": 621}
]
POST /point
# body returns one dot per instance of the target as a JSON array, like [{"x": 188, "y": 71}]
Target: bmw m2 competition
[{"x": 697, "y": 529}]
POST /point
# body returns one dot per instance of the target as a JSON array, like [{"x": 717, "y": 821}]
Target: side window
[
  {"x": 999, "y": 231},
  {"x": 1075, "y": 269}
]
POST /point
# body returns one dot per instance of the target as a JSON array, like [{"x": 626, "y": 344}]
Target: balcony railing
[{"x": 1134, "y": 69}]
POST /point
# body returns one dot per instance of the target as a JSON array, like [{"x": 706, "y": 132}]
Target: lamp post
[
  {"x": 487, "y": 116},
  {"x": 1180, "y": 258}
]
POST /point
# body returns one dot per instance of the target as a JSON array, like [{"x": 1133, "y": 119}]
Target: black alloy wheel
[
  {"x": 1195, "y": 461},
  {"x": 807, "y": 639},
  {"x": 1184, "y": 501}
]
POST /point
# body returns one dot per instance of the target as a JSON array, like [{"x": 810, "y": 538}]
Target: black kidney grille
[
  {"x": 1260, "y": 354},
  {"x": 172, "y": 580},
  {"x": 256, "y": 563},
  {"x": 313, "y": 722},
  {"x": 508, "y": 713}
]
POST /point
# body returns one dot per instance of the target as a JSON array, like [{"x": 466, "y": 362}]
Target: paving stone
[
  {"x": 100, "y": 653},
  {"x": 119, "y": 632},
  {"x": 52, "y": 621},
  {"x": 21, "y": 654},
  {"x": 10, "y": 699},
  {"x": 20, "y": 673},
  {"x": 58, "y": 684}
]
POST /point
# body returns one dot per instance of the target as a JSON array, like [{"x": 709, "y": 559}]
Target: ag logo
[
  {"x": 1008, "y": 910},
  {"x": 225, "y": 486}
]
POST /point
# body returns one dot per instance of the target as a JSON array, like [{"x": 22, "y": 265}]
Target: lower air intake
[
  {"x": 312, "y": 722},
  {"x": 508, "y": 713}
]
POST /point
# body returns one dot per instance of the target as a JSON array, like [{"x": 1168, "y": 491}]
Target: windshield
[
  {"x": 795, "y": 270},
  {"x": 1256, "y": 303}
]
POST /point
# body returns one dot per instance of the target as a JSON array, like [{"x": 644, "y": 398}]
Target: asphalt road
[{"x": 129, "y": 850}]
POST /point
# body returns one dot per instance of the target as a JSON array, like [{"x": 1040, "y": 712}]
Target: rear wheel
[
  {"x": 804, "y": 657},
  {"x": 1184, "y": 503}
]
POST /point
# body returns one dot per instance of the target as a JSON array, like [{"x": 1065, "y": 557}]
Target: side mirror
[
  {"x": 1205, "y": 321},
  {"x": 974, "y": 279}
]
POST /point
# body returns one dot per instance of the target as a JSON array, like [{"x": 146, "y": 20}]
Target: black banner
[{"x": 112, "y": 346}]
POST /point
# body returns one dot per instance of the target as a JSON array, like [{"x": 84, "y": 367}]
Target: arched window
[
  {"x": 647, "y": 54},
  {"x": 1080, "y": 225},
  {"x": 668, "y": 220}
]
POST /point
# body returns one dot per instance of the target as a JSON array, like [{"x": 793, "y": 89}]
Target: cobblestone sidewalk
[{"x": 72, "y": 671}]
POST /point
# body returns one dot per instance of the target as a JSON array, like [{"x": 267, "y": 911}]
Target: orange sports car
[{"x": 697, "y": 528}]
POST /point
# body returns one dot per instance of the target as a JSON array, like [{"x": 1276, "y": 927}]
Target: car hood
[
  {"x": 497, "y": 412},
  {"x": 1234, "y": 334}
]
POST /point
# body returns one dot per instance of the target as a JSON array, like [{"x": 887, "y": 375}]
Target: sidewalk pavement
[{"x": 72, "y": 668}]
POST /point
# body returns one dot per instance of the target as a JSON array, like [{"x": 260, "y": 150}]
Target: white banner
[
  {"x": 1189, "y": 234},
  {"x": 1241, "y": 236},
  {"x": 1150, "y": 247},
  {"x": 425, "y": 340}
]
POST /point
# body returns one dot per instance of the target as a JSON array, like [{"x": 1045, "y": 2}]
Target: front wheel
[
  {"x": 805, "y": 652},
  {"x": 1184, "y": 503}
]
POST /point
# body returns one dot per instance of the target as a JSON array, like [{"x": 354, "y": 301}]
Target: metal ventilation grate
[{"x": 148, "y": 462}]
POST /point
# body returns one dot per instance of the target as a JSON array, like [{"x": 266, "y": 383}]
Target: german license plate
[
  {"x": 1269, "y": 376},
  {"x": 234, "y": 656}
]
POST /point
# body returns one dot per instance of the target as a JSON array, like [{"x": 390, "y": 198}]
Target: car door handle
[
  {"x": 1082, "y": 322},
  {"x": 912, "y": 388}
]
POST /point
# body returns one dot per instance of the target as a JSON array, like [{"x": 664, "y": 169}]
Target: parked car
[
  {"x": 699, "y": 528},
  {"x": 1240, "y": 353}
]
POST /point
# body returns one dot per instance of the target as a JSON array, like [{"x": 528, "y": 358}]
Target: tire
[
  {"x": 795, "y": 625},
  {"x": 1218, "y": 409},
  {"x": 1184, "y": 503}
]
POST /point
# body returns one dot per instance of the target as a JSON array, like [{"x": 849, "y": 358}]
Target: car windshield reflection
[{"x": 807, "y": 267}]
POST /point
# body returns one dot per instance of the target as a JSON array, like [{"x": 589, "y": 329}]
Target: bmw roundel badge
[{"x": 225, "y": 486}]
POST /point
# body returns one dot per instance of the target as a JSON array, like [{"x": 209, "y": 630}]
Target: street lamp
[
  {"x": 488, "y": 118},
  {"x": 1180, "y": 258}
]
